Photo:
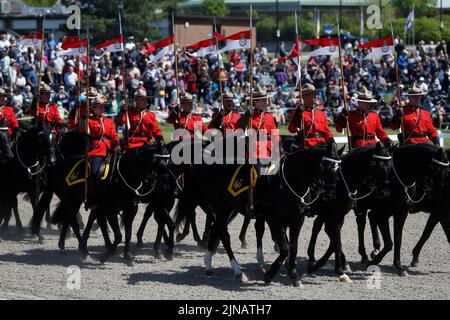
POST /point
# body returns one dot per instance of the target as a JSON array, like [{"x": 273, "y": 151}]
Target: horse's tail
[
  {"x": 58, "y": 214},
  {"x": 42, "y": 207},
  {"x": 185, "y": 208}
]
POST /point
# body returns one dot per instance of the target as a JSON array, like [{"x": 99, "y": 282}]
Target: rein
[
  {"x": 136, "y": 190},
  {"x": 308, "y": 190},
  {"x": 28, "y": 168}
]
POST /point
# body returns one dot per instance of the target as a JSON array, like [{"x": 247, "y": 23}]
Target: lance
[
  {"x": 125, "y": 100},
  {"x": 77, "y": 112},
  {"x": 249, "y": 124},
  {"x": 86, "y": 129},
  {"x": 41, "y": 61},
  {"x": 397, "y": 78},
  {"x": 343, "y": 85},
  {"x": 220, "y": 71},
  {"x": 301, "y": 133}
]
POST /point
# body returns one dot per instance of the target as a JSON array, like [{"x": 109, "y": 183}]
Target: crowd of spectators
[{"x": 427, "y": 64}]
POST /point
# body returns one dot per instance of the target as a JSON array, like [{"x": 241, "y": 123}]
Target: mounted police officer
[
  {"x": 364, "y": 124},
  {"x": 227, "y": 118},
  {"x": 143, "y": 124},
  {"x": 415, "y": 122},
  {"x": 183, "y": 118},
  {"x": 7, "y": 118},
  {"x": 314, "y": 128},
  {"x": 260, "y": 144},
  {"x": 103, "y": 139},
  {"x": 46, "y": 112}
]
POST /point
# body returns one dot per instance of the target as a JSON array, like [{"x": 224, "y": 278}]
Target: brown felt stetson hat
[
  {"x": 365, "y": 96},
  {"x": 187, "y": 97},
  {"x": 306, "y": 89},
  {"x": 142, "y": 95},
  {"x": 259, "y": 93},
  {"x": 44, "y": 87},
  {"x": 415, "y": 91},
  {"x": 227, "y": 95}
]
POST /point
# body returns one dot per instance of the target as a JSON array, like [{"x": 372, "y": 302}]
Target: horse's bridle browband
[{"x": 442, "y": 164}]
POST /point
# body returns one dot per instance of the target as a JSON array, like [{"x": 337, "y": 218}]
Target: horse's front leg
[
  {"x": 294, "y": 232},
  {"x": 432, "y": 221},
  {"x": 361, "y": 216},
  {"x": 128, "y": 218},
  {"x": 317, "y": 226},
  {"x": 399, "y": 223},
  {"x": 280, "y": 238},
  {"x": 260, "y": 224}
]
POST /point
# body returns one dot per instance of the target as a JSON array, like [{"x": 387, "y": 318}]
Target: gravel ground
[{"x": 29, "y": 270}]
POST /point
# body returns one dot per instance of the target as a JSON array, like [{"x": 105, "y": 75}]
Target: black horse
[
  {"x": 131, "y": 177},
  {"x": 34, "y": 150},
  {"x": 304, "y": 176},
  {"x": 419, "y": 180},
  {"x": 439, "y": 213},
  {"x": 364, "y": 178}
]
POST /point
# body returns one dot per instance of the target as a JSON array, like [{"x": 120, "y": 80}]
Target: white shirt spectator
[{"x": 71, "y": 79}]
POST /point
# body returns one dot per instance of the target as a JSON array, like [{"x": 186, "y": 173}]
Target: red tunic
[
  {"x": 103, "y": 136},
  {"x": 187, "y": 121},
  {"x": 417, "y": 124},
  {"x": 227, "y": 122},
  {"x": 7, "y": 114},
  {"x": 47, "y": 113},
  {"x": 143, "y": 128},
  {"x": 364, "y": 127},
  {"x": 263, "y": 122},
  {"x": 73, "y": 122},
  {"x": 316, "y": 127}
]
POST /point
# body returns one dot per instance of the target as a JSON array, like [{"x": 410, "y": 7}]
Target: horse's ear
[{"x": 341, "y": 150}]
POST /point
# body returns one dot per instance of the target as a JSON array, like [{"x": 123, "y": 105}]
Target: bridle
[
  {"x": 29, "y": 168},
  {"x": 353, "y": 195},
  {"x": 308, "y": 189},
  {"x": 136, "y": 190},
  {"x": 406, "y": 188}
]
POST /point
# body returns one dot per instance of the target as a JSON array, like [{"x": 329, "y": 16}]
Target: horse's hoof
[
  {"x": 275, "y": 247},
  {"x": 295, "y": 283},
  {"x": 364, "y": 261},
  {"x": 104, "y": 257},
  {"x": 20, "y": 230},
  {"x": 402, "y": 273},
  {"x": 267, "y": 278},
  {"x": 345, "y": 279},
  {"x": 158, "y": 255},
  {"x": 62, "y": 252},
  {"x": 415, "y": 263},
  {"x": 180, "y": 237},
  {"x": 168, "y": 254},
  {"x": 310, "y": 269},
  {"x": 238, "y": 278},
  {"x": 139, "y": 244},
  {"x": 128, "y": 256},
  {"x": 200, "y": 244},
  {"x": 244, "y": 245},
  {"x": 347, "y": 268},
  {"x": 374, "y": 254},
  {"x": 262, "y": 269},
  {"x": 209, "y": 272}
]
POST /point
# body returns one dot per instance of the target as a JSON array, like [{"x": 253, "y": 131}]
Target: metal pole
[
  {"x": 220, "y": 69},
  {"x": 249, "y": 125},
  {"x": 278, "y": 26},
  {"x": 125, "y": 100}
]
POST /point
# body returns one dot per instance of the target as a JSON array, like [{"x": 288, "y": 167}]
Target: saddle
[{"x": 77, "y": 173}]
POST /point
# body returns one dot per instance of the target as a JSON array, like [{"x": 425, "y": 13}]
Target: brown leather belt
[{"x": 314, "y": 135}]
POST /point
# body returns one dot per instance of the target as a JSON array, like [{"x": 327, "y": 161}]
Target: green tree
[
  {"x": 39, "y": 3},
  {"x": 421, "y": 7},
  {"x": 140, "y": 18},
  {"x": 215, "y": 8}
]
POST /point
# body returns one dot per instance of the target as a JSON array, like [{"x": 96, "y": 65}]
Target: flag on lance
[
  {"x": 379, "y": 48},
  {"x": 114, "y": 45},
  {"x": 203, "y": 48},
  {"x": 237, "y": 41},
  {"x": 34, "y": 39},
  {"x": 329, "y": 46},
  {"x": 166, "y": 47},
  {"x": 74, "y": 46}
]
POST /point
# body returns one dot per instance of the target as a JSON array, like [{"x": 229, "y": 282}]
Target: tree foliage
[
  {"x": 215, "y": 8},
  {"x": 421, "y": 7}
]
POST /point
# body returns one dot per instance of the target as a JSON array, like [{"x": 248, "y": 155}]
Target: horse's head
[
  {"x": 329, "y": 171},
  {"x": 380, "y": 167},
  {"x": 439, "y": 172},
  {"x": 47, "y": 142},
  {"x": 154, "y": 162},
  {"x": 6, "y": 153}
]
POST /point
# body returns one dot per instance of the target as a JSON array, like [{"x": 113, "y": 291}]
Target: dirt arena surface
[{"x": 29, "y": 270}]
